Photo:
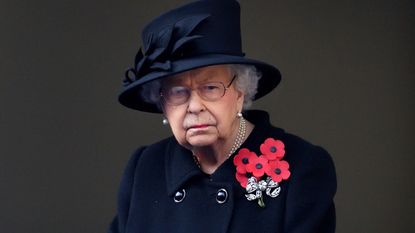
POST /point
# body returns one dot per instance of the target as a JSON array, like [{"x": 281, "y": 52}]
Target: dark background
[{"x": 348, "y": 85}]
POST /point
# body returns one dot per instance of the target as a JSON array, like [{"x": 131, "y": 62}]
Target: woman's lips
[
  {"x": 201, "y": 126},
  {"x": 199, "y": 129}
]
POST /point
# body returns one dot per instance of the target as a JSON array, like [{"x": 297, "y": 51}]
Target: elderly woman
[{"x": 226, "y": 169}]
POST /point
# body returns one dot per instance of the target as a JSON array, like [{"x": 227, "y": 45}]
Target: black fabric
[{"x": 155, "y": 173}]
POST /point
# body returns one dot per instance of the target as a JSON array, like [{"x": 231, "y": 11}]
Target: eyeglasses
[{"x": 177, "y": 95}]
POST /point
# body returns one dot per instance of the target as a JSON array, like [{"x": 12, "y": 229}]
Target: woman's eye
[
  {"x": 178, "y": 91},
  {"x": 210, "y": 87}
]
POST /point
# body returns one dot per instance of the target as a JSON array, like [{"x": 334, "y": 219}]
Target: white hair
[
  {"x": 246, "y": 81},
  {"x": 247, "y": 77}
]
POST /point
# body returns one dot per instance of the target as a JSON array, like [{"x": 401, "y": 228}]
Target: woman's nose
[{"x": 195, "y": 103}]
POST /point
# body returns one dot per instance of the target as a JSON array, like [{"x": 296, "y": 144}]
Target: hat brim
[{"x": 131, "y": 98}]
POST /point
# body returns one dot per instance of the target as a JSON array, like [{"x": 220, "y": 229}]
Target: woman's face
[{"x": 199, "y": 122}]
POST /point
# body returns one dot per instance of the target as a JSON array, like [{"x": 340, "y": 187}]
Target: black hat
[{"x": 197, "y": 34}]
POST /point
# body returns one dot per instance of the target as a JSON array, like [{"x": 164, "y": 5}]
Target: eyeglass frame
[{"x": 201, "y": 96}]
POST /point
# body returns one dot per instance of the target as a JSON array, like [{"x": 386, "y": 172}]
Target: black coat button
[
  {"x": 222, "y": 196},
  {"x": 179, "y": 196}
]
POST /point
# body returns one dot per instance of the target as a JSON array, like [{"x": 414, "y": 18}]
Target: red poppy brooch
[{"x": 258, "y": 174}]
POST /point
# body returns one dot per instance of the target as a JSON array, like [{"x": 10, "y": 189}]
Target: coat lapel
[{"x": 180, "y": 167}]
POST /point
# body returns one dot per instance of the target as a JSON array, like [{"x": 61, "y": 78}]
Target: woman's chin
[{"x": 201, "y": 140}]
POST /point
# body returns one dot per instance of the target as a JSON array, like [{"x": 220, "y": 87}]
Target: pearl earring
[
  {"x": 165, "y": 121},
  {"x": 239, "y": 114}
]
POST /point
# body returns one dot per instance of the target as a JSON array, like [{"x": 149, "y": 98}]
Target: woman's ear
[
  {"x": 160, "y": 105},
  {"x": 240, "y": 100}
]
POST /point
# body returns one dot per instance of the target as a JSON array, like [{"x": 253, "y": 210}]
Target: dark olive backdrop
[{"x": 348, "y": 85}]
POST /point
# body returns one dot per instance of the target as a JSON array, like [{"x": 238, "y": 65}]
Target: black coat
[{"x": 157, "y": 172}]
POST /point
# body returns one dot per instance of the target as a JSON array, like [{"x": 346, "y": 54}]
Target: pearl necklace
[{"x": 240, "y": 137}]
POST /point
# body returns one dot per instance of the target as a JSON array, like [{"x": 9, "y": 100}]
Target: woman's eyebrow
[{"x": 208, "y": 76}]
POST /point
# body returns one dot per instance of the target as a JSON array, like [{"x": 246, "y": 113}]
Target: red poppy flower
[
  {"x": 242, "y": 159},
  {"x": 278, "y": 170},
  {"x": 258, "y": 166},
  {"x": 243, "y": 178},
  {"x": 272, "y": 149}
]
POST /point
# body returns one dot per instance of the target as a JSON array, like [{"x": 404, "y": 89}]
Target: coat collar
[{"x": 181, "y": 168}]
